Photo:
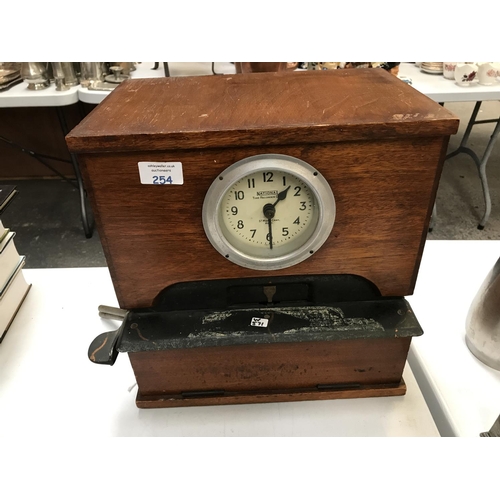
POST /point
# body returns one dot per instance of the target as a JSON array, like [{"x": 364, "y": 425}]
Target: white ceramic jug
[
  {"x": 465, "y": 73},
  {"x": 487, "y": 73}
]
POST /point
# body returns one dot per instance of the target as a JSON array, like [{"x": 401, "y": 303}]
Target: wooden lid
[{"x": 259, "y": 108}]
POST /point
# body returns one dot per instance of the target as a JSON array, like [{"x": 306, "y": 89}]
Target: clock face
[{"x": 268, "y": 212}]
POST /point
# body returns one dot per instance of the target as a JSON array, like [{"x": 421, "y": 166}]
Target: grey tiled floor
[
  {"x": 46, "y": 218},
  {"x": 46, "y": 215}
]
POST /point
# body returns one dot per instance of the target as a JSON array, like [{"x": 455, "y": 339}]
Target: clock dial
[{"x": 268, "y": 212}]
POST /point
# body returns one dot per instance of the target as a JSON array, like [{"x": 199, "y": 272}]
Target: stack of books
[{"x": 13, "y": 285}]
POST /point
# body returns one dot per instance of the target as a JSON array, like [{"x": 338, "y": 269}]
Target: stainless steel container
[
  {"x": 67, "y": 71},
  {"x": 91, "y": 72},
  {"x": 483, "y": 321},
  {"x": 126, "y": 67},
  {"x": 35, "y": 75}
]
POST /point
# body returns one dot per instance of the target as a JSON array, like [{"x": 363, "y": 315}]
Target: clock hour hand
[
  {"x": 269, "y": 212},
  {"x": 281, "y": 196}
]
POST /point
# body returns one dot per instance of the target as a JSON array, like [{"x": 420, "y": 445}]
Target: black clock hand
[
  {"x": 270, "y": 234},
  {"x": 281, "y": 196},
  {"x": 269, "y": 212}
]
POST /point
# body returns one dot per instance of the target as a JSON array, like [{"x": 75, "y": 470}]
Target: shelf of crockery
[
  {"x": 435, "y": 87},
  {"x": 441, "y": 89}
]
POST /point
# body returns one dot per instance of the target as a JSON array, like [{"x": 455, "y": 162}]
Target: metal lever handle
[
  {"x": 108, "y": 312},
  {"x": 103, "y": 349}
]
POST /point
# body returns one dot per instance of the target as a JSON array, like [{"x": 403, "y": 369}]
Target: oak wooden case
[
  {"x": 272, "y": 373},
  {"x": 379, "y": 143}
]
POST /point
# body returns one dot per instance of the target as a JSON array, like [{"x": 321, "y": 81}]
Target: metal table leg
[
  {"x": 433, "y": 217},
  {"x": 482, "y": 175},
  {"x": 468, "y": 130},
  {"x": 434, "y": 208},
  {"x": 87, "y": 222},
  {"x": 480, "y": 163}
]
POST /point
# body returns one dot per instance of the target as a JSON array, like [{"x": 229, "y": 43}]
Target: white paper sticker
[
  {"x": 160, "y": 172},
  {"x": 262, "y": 322}
]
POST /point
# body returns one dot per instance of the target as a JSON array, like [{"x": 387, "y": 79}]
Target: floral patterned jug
[{"x": 465, "y": 73}]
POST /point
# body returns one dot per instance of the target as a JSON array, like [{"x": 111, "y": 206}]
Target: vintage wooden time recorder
[{"x": 262, "y": 230}]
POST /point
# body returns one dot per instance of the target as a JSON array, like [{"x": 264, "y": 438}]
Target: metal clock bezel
[{"x": 306, "y": 173}]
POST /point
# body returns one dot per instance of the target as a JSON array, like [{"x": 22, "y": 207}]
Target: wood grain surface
[
  {"x": 270, "y": 367},
  {"x": 259, "y": 108},
  {"x": 379, "y": 143},
  {"x": 382, "y": 390},
  {"x": 153, "y": 235},
  {"x": 261, "y": 366}
]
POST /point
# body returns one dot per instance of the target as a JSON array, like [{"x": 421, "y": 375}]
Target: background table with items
[
  {"x": 20, "y": 96},
  {"x": 443, "y": 90},
  {"x": 434, "y": 86}
]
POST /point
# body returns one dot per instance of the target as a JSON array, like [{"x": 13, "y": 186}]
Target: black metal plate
[{"x": 266, "y": 310}]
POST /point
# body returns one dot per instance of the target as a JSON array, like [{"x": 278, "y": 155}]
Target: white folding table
[
  {"x": 20, "y": 96},
  {"x": 463, "y": 393},
  {"x": 48, "y": 386},
  {"x": 443, "y": 90}
]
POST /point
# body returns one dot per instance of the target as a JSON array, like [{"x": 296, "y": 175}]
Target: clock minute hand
[
  {"x": 270, "y": 234},
  {"x": 269, "y": 212}
]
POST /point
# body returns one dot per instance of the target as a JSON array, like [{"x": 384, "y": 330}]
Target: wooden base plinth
[
  {"x": 267, "y": 373},
  {"x": 163, "y": 401}
]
